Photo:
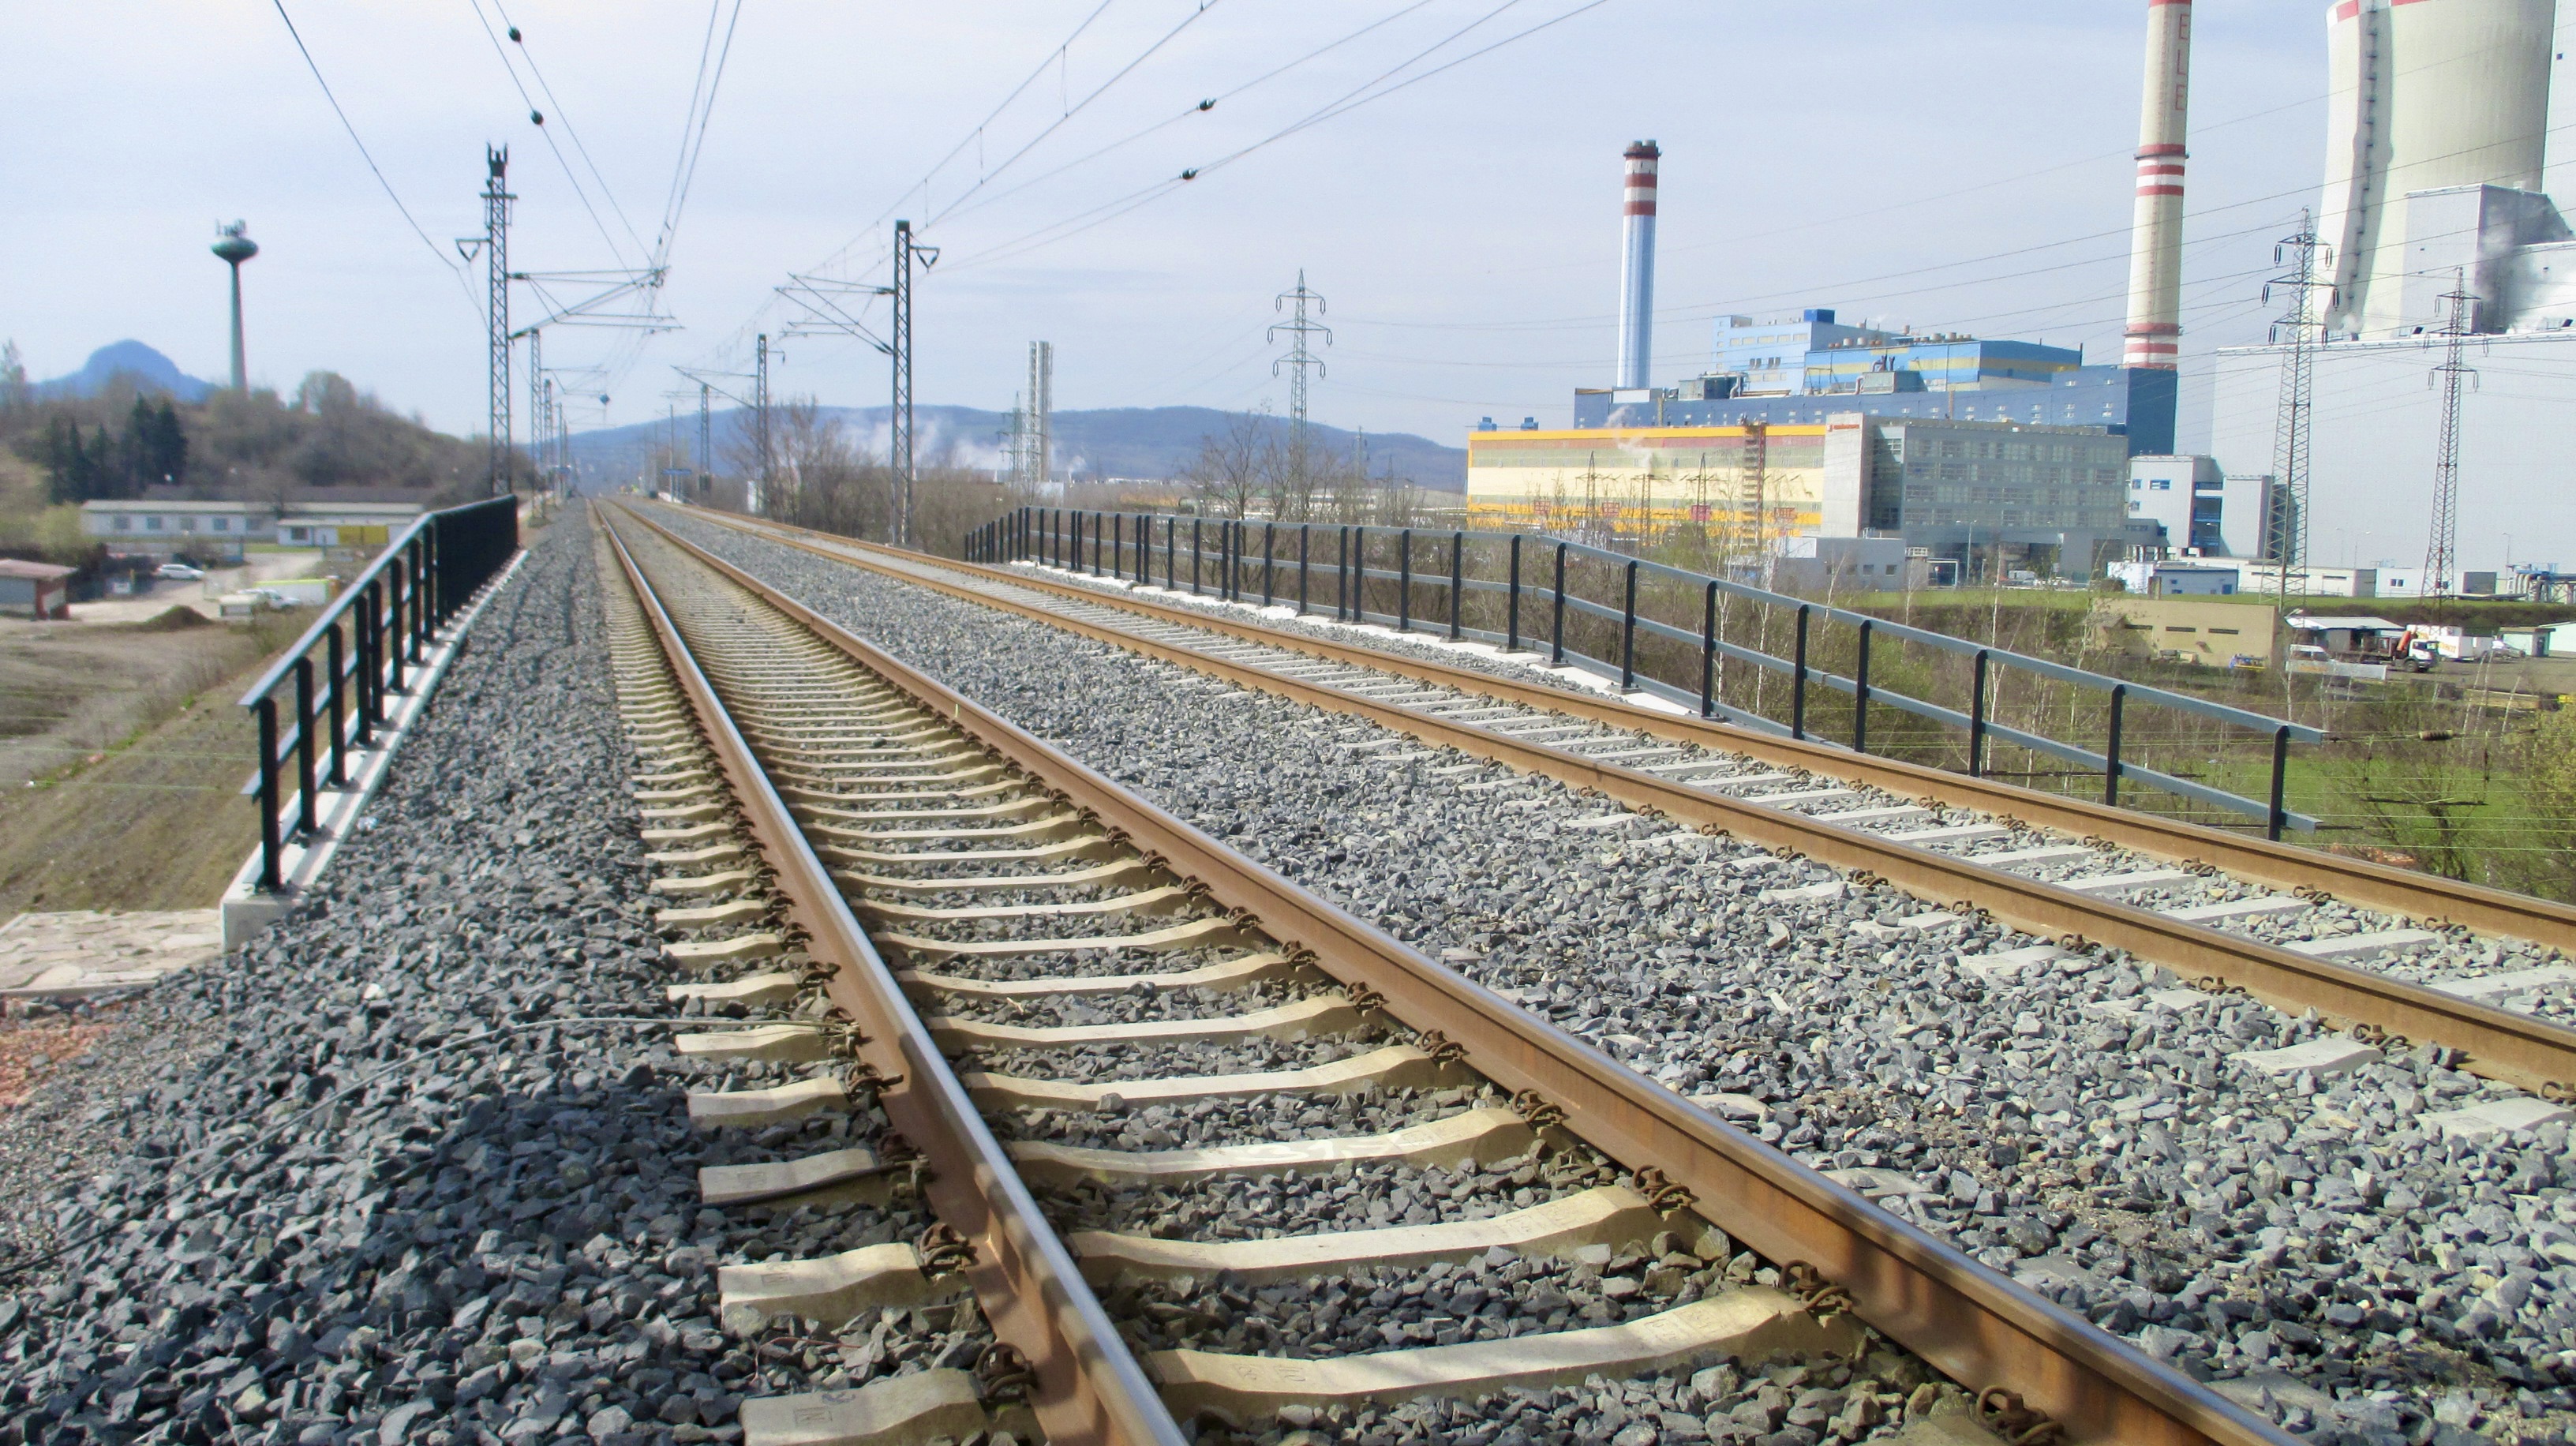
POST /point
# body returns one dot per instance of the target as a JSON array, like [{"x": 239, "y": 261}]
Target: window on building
[
  {"x": 187, "y": 524},
  {"x": 152, "y": 523},
  {"x": 124, "y": 523},
  {"x": 2161, "y": 484},
  {"x": 223, "y": 524}
]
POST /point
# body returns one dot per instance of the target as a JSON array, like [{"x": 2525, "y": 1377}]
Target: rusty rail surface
[
  {"x": 1981, "y": 1328},
  {"x": 1089, "y": 1388},
  {"x": 2501, "y": 1044}
]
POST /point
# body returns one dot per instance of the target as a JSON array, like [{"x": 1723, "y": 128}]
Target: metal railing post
[
  {"x": 1342, "y": 578},
  {"x": 1457, "y": 582},
  {"x": 1628, "y": 632},
  {"x": 393, "y": 628},
  {"x": 2111, "y": 747},
  {"x": 420, "y": 595},
  {"x": 1512, "y": 609},
  {"x": 362, "y": 660},
  {"x": 1359, "y": 573},
  {"x": 1404, "y": 581},
  {"x": 332, "y": 663},
  {"x": 1977, "y": 719},
  {"x": 1708, "y": 656},
  {"x": 1171, "y": 554},
  {"x": 1269, "y": 561},
  {"x": 2279, "y": 817},
  {"x": 1195, "y": 547},
  {"x": 1556, "y": 624},
  {"x": 1798, "y": 679},
  {"x": 1860, "y": 693},
  {"x": 270, "y": 879},
  {"x": 308, "y": 817},
  {"x": 1305, "y": 544},
  {"x": 1118, "y": 547}
]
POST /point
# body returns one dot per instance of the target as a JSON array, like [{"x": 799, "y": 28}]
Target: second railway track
[
  {"x": 1414, "y": 1191},
  {"x": 2405, "y": 958}
]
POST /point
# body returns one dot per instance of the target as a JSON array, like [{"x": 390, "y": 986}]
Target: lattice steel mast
[
  {"x": 496, "y": 249},
  {"x": 900, "y": 450},
  {"x": 2285, "y": 530},
  {"x": 2441, "y": 548},
  {"x": 760, "y": 428}
]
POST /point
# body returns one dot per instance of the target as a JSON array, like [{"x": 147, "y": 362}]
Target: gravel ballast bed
[
  {"x": 2409, "y": 1283},
  {"x": 336, "y": 1214}
]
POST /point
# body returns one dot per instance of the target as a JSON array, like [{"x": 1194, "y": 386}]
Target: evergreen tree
[
  {"x": 168, "y": 453},
  {"x": 66, "y": 467},
  {"x": 102, "y": 475}
]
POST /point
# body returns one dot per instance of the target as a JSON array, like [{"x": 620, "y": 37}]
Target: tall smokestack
[
  {"x": 1637, "y": 268},
  {"x": 2155, "y": 239}
]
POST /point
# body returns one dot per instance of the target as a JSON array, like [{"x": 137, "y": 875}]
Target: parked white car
[{"x": 181, "y": 572}]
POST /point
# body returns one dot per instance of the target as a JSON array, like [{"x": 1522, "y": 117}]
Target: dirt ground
[{"x": 121, "y": 754}]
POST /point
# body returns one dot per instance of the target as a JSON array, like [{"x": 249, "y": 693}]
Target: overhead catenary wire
[
  {"x": 1197, "y": 108},
  {"x": 564, "y": 115},
  {"x": 536, "y": 117},
  {"x": 693, "y": 132},
  {"x": 1366, "y": 93}
]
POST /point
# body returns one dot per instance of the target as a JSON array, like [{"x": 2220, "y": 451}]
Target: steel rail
[
  {"x": 1980, "y": 1328},
  {"x": 2501, "y": 1044},
  {"x": 1089, "y": 1387},
  {"x": 2357, "y": 881}
]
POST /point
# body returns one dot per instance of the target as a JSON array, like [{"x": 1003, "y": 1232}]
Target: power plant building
[
  {"x": 2433, "y": 208},
  {"x": 2436, "y": 154}
]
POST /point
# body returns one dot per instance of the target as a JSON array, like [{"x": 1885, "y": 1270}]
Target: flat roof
[{"x": 40, "y": 571}]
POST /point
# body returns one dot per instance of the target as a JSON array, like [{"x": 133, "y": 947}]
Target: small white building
[
  {"x": 222, "y": 529},
  {"x": 2188, "y": 577}
]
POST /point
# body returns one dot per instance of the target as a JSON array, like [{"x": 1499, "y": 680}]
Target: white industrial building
[{"x": 2437, "y": 157}]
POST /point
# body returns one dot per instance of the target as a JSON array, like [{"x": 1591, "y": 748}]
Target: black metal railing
[
  {"x": 371, "y": 637},
  {"x": 1231, "y": 558}
]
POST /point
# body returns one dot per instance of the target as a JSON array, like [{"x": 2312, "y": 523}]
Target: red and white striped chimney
[
  {"x": 2155, "y": 240},
  {"x": 1637, "y": 267}
]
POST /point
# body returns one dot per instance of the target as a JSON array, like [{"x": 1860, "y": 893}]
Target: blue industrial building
[{"x": 1792, "y": 372}]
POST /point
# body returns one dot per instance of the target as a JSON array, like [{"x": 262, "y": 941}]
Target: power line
[{"x": 378, "y": 171}]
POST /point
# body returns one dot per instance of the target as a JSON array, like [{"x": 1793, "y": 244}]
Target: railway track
[
  {"x": 2392, "y": 957},
  {"x": 1203, "y": 1145}
]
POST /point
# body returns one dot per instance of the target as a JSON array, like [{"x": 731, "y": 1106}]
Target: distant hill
[
  {"x": 150, "y": 370},
  {"x": 1138, "y": 442}
]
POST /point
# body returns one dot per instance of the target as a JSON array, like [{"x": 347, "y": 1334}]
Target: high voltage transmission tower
[
  {"x": 1299, "y": 358},
  {"x": 2285, "y": 529},
  {"x": 2442, "y": 547}
]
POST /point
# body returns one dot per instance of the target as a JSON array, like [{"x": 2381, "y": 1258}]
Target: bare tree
[
  {"x": 1234, "y": 469},
  {"x": 819, "y": 477}
]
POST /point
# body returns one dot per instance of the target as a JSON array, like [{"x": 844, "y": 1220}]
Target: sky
[{"x": 1957, "y": 167}]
